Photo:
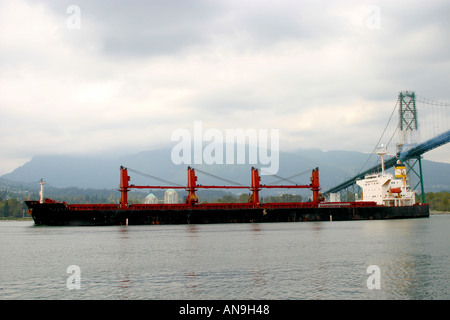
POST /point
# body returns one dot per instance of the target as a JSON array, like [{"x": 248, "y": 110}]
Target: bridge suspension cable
[
  {"x": 378, "y": 142},
  {"x": 432, "y": 102},
  {"x": 435, "y": 117}
]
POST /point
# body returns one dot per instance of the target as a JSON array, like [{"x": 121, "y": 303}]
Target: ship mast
[
  {"x": 192, "y": 198},
  {"x": 381, "y": 153},
  {"x": 41, "y": 193},
  {"x": 124, "y": 187},
  {"x": 256, "y": 187}
]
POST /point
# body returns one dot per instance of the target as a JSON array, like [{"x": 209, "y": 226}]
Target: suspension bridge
[
  {"x": 406, "y": 142},
  {"x": 412, "y": 140}
]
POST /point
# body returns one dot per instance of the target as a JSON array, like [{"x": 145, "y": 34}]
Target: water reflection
[
  {"x": 123, "y": 231},
  {"x": 191, "y": 278},
  {"x": 256, "y": 227},
  {"x": 124, "y": 263},
  {"x": 259, "y": 281},
  {"x": 410, "y": 276},
  {"x": 192, "y": 230}
]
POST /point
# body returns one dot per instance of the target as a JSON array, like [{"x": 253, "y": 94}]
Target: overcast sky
[{"x": 123, "y": 75}]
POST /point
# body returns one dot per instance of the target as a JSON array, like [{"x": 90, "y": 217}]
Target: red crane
[{"x": 192, "y": 187}]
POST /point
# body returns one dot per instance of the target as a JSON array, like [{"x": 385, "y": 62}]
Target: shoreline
[
  {"x": 16, "y": 219},
  {"x": 432, "y": 212},
  {"x": 439, "y": 212}
]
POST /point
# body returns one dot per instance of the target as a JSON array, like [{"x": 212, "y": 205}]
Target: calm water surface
[{"x": 309, "y": 260}]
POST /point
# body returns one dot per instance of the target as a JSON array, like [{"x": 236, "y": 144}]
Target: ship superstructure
[{"x": 386, "y": 189}]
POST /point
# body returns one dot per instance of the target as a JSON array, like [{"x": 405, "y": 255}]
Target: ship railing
[
  {"x": 348, "y": 204},
  {"x": 289, "y": 205},
  {"x": 225, "y": 206},
  {"x": 83, "y": 207},
  {"x": 200, "y": 206}
]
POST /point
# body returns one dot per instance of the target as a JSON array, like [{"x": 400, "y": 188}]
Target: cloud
[{"x": 135, "y": 71}]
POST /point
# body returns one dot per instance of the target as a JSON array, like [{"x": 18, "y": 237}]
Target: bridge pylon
[{"x": 409, "y": 136}]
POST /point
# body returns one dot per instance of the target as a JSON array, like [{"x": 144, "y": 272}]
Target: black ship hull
[{"x": 58, "y": 214}]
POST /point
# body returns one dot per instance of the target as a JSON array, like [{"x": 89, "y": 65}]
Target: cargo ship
[{"x": 383, "y": 196}]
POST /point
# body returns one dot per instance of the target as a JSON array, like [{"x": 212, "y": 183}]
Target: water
[{"x": 280, "y": 261}]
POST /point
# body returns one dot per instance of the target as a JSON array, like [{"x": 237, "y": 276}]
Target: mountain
[{"x": 103, "y": 172}]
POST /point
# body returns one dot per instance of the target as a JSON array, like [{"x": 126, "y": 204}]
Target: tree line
[{"x": 439, "y": 201}]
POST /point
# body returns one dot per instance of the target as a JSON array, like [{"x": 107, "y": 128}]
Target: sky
[{"x": 84, "y": 77}]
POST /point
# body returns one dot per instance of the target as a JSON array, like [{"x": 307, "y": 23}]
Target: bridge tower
[{"x": 408, "y": 136}]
